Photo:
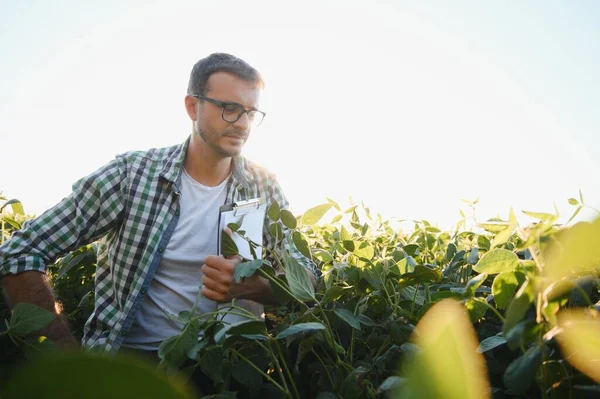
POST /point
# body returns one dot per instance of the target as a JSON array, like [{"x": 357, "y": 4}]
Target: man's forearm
[{"x": 32, "y": 287}]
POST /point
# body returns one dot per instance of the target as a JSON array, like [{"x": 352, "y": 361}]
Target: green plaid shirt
[{"x": 132, "y": 203}]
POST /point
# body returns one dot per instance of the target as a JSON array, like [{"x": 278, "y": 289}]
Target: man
[{"x": 156, "y": 212}]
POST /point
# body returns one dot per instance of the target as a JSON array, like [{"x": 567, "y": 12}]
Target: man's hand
[
  {"x": 218, "y": 283},
  {"x": 32, "y": 287}
]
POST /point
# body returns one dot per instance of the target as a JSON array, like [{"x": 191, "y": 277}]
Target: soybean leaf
[
  {"x": 390, "y": 384},
  {"x": 544, "y": 217},
  {"x": 276, "y": 231},
  {"x": 299, "y": 329},
  {"x": 365, "y": 251},
  {"x": 573, "y": 201},
  {"x": 366, "y": 320},
  {"x": 348, "y": 317},
  {"x": 213, "y": 362},
  {"x": 274, "y": 211},
  {"x": 244, "y": 327},
  {"x": 27, "y": 318},
  {"x": 518, "y": 306},
  {"x": 16, "y": 206},
  {"x": 421, "y": 275},
  {"x": 313, "y": 215},
  {"x": 246, "y": 269},
  {"x": 473, "y": 256},
  {"x": 128, "y": 376},
  {"x": 301, "y": 244},
  {"x": 521, "y": 372},
  {"x": 580, "y": 341},
  {"x": 474, "y": 283},
  {"x": 228, "y": 246},
  {"x": 288, "y": 219},
  {"x": 323, "y": 255},
  {"x": 575, "y": 252},
  {"x": 503, "y": 288},
  {"x": 491, "y": 342},
  {"x": 298, "y": 280},
  {"x": 448, "y": 365},
  {"x": 497, "y": 261},
  {"x": 476, "y": 308}
]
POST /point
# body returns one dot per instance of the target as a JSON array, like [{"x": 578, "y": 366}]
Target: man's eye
[{"x": 232, "y": 109}]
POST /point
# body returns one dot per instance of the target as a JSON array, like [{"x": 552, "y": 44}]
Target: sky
[{"x": 408, "y": 107}]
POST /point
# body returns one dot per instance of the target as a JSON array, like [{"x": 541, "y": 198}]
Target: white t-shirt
[{"x": 176, "y": 283}]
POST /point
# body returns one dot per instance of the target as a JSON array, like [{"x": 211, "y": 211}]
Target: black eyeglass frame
[{"x": 224, "y": 104}]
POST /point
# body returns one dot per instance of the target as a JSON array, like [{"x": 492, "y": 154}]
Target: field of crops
[{"x": 490, "y": 309}]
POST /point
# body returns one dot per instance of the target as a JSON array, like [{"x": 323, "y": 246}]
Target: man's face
[{"x": 224, "y": 139}]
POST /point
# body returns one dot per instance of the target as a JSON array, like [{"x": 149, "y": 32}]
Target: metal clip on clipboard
[{"x": 243, "y": 207}]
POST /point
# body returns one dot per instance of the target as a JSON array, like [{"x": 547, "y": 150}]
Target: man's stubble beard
[{"x": 218, "y": 149}]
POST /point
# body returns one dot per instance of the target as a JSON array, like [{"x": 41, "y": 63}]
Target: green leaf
[
  {"x": 246, "y": 269},
  {"x": 27, "y": 318},
  {"x": 497, "y": 261},
  {"x": 421, "y": 275},
  {"x": 213, "y": 363},
  {"x": 504, "y": 287},
  {"x": 494, "y": 226},
  {"x": 575, "y": 252},
  {"x": 391, "y": 383},
  {"x": 580, "y": 340},
  {"x": 573, "y": 201},
  {"x": 365, "y": 251},
  {"x": 518, "y": 306},
  {"x": 126, "y": 377},
  {"x": 274, "y": 211},
  {"x": 366, "y": 320},
  {"x": 244, "y": 327},
  {"x": 491, "y": 342},
  {"x": 276, "y": 231},
  {"x": 473, "y": 256},
  {"x": 544, "y": 217},
  {"x": 299, "y": 329},
  {"x": 476, "y": 308},
  {"x": 333, "y": 293},
  {"x": 521, "y": 372},
  {"x": 313, "y": 215},
  {"x": 228, "y": 246},
  {"x": 473, "y": 284},
  {"x": 348, "y": 317},
  {"x": 301, "y": 244},
  {"x": 323, "y": 255},
  {"x": 298, "y": 280},
  {"x": 16, "y": 206},
  {"x": 448, "y": 365},
  {"x": 288, "y": 219}
]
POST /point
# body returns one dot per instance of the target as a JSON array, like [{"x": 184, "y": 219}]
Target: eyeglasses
[{"x": 232, "y": 112}]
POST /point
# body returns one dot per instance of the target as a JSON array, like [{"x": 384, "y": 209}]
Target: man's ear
[{"x": 190, "y": 107}]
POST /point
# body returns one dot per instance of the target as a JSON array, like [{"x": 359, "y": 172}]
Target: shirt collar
[{"x": 171, "y": 171}]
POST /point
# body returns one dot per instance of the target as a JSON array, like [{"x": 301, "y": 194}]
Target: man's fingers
[
  {"x": 214, "y": 295},
  {"x": 215, "y": 274}
]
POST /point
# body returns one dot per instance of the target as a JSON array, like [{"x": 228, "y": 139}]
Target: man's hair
[{"x": 220, "y": 62}]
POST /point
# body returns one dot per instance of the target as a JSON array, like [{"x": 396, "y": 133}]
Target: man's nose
[{"x": 243, "y": 122}]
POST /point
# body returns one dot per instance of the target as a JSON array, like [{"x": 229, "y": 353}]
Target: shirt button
[
  {"x": 122, "y": 333},
  {"x": 161, "y": 250},
  {"x": 143, "y": 291}
]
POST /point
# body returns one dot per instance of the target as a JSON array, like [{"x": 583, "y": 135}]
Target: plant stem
[
  {"x": 325, "y": 368},
  {"x": 287, "y": 370}
]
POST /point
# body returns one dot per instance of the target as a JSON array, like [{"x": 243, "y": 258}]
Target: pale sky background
[{"x": 407, "y": 106}]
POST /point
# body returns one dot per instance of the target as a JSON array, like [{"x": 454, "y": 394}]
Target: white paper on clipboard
[{"x": 250, "y": 216}]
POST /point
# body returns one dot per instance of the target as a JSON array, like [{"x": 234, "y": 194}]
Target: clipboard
[{"x": 250, "y": 216}]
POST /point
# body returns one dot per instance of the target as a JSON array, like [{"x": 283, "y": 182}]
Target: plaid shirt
[{"x": 132, "y": 203}]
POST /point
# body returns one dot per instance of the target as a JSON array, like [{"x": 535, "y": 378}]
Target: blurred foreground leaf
[
  {"x": 580, "y": 341},
  {"x": 448, "y": 366}
]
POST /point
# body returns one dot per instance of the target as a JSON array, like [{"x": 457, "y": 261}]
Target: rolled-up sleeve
[{"x": 93, "y": 208}]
